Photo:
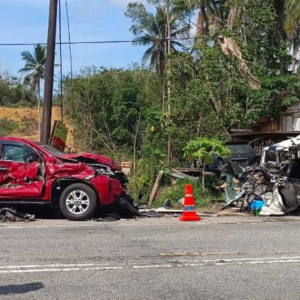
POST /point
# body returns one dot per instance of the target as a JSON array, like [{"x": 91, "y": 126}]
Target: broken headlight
[{"x": 102, "y": 170}]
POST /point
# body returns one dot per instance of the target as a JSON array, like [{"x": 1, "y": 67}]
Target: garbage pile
[
  {"x": 11, "y": 215},
  {"x": 271, "y": 188}
]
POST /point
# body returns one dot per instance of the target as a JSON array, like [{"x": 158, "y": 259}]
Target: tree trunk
[
  {"x": 200, "y": 24},
  {"x": 135, "y": 145},
  {"x": 294, "y": 53},
  {"x": 203, "y": 174},
  {"x": 169, "y": 81},
  {"x": 244, "y": 26},
  {"x": 163, "y": 80}
]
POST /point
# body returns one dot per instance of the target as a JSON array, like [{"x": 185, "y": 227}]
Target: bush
[
  {"x": 175, "y": 192},
  {"x": 140, "y": 186},
  {"x": 7, "y": 127}
]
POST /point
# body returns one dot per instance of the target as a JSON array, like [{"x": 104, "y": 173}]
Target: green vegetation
[
  {"x": 7, "y": 127},
  {"x": 204, "y": 149},
  {"x": 13, "y": 93},
  {"x": 175, "y": 192},
  {"x": 228, "y": 63},
  {"x": 237, "y": 70}
]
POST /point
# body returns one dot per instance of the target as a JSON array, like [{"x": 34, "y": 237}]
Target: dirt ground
[{"x": 28, "y": 119}]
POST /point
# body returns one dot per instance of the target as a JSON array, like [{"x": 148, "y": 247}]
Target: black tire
[
  {"x": 88, "y": 210},
  {"x": 289, "y": 198}
]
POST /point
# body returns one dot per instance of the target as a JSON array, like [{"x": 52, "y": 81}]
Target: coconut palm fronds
[
  {"x": 230, "y": 47},
  {"x": 233, "y": 14}
]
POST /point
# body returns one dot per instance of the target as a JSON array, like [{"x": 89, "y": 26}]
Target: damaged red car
[{"x": 77, "y": 184}]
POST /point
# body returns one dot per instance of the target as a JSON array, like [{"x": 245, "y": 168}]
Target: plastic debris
[{"x": 256, "y": 206}]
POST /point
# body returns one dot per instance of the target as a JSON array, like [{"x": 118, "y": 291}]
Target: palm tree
[
  {"x": 155, "y": 34},
  {"x": 210, "y": 12},
  {"x": 35, "y": 67}
]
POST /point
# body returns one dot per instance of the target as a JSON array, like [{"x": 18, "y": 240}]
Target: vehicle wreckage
[
  {"x": 275, "y": 182},
  {"x": 77, "y": 184}
]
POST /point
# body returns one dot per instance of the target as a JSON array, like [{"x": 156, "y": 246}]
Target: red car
[{"x": 77, "y": 184}]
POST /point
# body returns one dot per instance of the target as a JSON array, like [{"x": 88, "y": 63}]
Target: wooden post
[
  {"x": 49, "y": 73},
  {"x": 155, "y": 188}
]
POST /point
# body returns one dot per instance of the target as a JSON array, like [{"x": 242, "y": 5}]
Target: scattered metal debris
[
  {"x": 11, "y": 215},
  {"x": 152, "y": 214},
  {"x": 108, "y": 218},
  {"x": 276, "y": 181}
]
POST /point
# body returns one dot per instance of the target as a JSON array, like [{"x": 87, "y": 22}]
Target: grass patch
[
  {"x": 28, "y": 126},
  {"x": 176, "y": 191},
  {"x": 7, "y": 127}
]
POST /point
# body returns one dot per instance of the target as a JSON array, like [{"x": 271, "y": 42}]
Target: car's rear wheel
[{"x": 78, "y": 202}]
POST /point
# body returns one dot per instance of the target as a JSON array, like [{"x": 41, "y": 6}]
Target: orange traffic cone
[{"x": 189, "y": 212}]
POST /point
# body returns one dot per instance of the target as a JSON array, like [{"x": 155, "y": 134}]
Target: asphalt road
[{"x": 217, "y": 258}]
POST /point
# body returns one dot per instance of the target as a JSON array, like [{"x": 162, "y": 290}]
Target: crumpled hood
[{"x": 93, "y": 158}]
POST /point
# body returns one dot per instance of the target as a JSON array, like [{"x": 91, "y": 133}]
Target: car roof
[
  {"x": 15, "y": 139},
  {"x": 26, "y": 141}
]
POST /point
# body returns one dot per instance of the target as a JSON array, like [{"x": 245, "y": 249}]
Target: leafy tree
[
  {"x": 204, "y": 149},
  {"x": 15, "y": 93},
  {"x": 35, "y": 67},
  {"x": 292, "y": 27},
  {"x": 211, "y": 15}
]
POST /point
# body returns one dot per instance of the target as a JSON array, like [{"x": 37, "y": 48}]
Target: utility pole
[
  {"x": 49, "y": 74},
  {"x": 169, "y": 80}
]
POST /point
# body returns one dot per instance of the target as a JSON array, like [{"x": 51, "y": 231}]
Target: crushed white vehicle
[{"x": 276, "y": 181}]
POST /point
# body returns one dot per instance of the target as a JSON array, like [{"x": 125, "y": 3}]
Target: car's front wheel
[{"x": 78, "y": 202}]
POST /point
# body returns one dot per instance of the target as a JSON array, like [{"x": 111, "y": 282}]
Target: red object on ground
[{"x": 189, "y": 212}]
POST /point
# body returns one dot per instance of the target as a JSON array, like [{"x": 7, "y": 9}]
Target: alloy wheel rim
[{"x": 78, "y": 202}]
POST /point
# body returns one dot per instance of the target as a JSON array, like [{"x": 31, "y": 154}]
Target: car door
[{"x": 19, "y": 172}]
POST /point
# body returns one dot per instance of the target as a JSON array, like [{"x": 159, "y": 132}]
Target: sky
[{"x": 26, "y": 21}]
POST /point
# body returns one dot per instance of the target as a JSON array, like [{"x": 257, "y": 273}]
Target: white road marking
[
  {"x": 48, "y": 266},
  {"x": 122, "y": 224},
  {"x": 46, "y": 226},
  {"x": 171, "y": 264}
]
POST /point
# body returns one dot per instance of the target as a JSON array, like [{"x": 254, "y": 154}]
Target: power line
[
  {"x": 93, "y": 42},
  {"x": 70, "y": 46}
]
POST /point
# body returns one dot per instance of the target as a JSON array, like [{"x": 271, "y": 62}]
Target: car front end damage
[{"x": 106, "y": 178}]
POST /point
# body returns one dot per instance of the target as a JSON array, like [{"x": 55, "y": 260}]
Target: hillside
[{"x": 23, "y": 122}]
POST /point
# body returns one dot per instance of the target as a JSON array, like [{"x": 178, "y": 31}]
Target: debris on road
[
  {"x": 108, "y": 218},
  {"x": 11, "y": 215},
  {"x": 153, "y": 214}
]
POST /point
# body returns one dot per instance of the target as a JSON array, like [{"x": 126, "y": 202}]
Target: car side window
[{"x": 17, "y": 153}]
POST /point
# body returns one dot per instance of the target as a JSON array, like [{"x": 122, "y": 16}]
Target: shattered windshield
[
  {"x": 271, "y": 156},
  {"x": 278, "y": 156},
  {"x": 52, "y": 150}
]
